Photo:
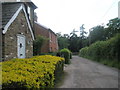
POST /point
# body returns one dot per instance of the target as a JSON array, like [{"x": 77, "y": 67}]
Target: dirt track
[{"x": 83, "y": 73}]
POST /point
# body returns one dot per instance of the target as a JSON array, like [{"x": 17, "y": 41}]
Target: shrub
[
  {"x": 66, "y": 54},
  {"x": 83, "y": 52},
  {"x": 70, "y": 55},
  {"x": 107, "y": 52},
  {"x": 49, "y": 53},
  {"x": 37, "y": 44},
  {"x": 36, "y": 72}
]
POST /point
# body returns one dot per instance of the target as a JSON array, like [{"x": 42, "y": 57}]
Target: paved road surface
[{"x": 83, "y": 73}]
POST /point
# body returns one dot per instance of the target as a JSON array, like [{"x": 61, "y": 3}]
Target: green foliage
[
  {"x": 100, "y": 32},
  {"x": 83, "y": 52},
  {"x": 77, "y": 42},
  {"x": 70, "y": 55},
  {"x": 37, "y": 72},
  {"x": 96, "y": 34},
  {"x": 66, "y": 54},
  {"x": 104, "y": 50},
  {"x": 113, "y": 28},
  {"x": 62, "y": 41},
  {"x": 74, "y": 43},
  {"x": 82, "y": 32},
  {"x": 49, "y": 53},
  {"x": 37, "y": 44}
]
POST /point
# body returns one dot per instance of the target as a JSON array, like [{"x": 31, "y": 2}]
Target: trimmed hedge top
[
  {"x": 36, "y": 72},
  {"x": 104, "y": 50},
  {"x": 66, "y": 54}
]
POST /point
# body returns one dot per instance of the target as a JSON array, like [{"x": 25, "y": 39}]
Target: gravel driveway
[{"x": 83, "y": 73}]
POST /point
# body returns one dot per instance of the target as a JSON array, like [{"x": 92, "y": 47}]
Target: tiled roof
[
  {"x": 45, "y": 27},
  {"x": 8, "y": 10},
  {"x": 41, "y": 25}
]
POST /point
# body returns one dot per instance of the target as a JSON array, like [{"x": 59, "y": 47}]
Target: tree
[
  {"x": 113, "y": 28},
  {"x": 82, "y": 32},
  {"x": 63, "y": 41},
  {"x": 37, "y": 44},
  {"x": 73, "y": 33},
  {"x": 96, "y": 34},
  {"x": 82, "y": 38},
  {"x": 99, "y": 32},
  {"x": 73, "y": 41},
  {"x": 58, "y": 34}
]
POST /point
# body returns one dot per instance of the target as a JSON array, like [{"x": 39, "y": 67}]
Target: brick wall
[
  {"x": 39, "y": 30},
  {"x": 51, "y": 45},
  {"x": 19, "y": 26}
]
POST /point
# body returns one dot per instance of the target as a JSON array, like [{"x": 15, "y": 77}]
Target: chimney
[{"x": 35, "y": 17}]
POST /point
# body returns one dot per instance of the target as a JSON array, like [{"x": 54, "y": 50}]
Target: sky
[{"x": 65, "y": 15}]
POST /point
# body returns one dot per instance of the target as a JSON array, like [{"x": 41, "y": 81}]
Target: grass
[{"x": 110, "y": 63}]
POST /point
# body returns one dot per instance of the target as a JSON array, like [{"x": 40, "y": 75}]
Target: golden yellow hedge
[{"x": 36, "y": 72}]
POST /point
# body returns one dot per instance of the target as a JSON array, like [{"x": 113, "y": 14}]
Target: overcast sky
[{"x": 65, "y": 15}]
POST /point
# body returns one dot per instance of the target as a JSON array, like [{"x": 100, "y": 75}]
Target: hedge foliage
[
  {"x": 36, "y": 72},
  {"x": 49, "y": 53},
  {"x": 66, "y": 54},
  {"x": 106, "y": 52},
  {"x": 70, "y": 55}
]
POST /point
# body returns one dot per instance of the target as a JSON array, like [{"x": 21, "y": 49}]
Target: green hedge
[
  {"x": 36, "y": 72},
  {"x": 66, "y": 54},
  {"x": 106, "y": 52},
  {"x": 70, "y": 55},
  {"x": 49, "y": 53}
]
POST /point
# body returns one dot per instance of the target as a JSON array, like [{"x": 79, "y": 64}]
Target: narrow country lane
[{"x": 83, "y": 73}]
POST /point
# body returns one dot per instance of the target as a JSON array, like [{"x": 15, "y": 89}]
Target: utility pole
[
  {"x": 89, "y": 37},
  {"x": 119, "y": 9}
]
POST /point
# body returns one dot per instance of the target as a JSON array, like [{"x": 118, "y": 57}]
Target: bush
[
  {"x": 37, "y": 44},
  {"x": 83, "y": 52},
  {"x": 66, "y": 54},
  {"x": 36, "y": 72},
  {"x": 49, "y": 53},
  {"x": 104, "y": 50},
  {"x": 70, "y": 55}
]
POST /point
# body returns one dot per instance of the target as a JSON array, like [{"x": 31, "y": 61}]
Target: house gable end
[{"x": 15, "y": 16}]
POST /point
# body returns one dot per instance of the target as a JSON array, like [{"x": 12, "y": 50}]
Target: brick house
[
  {"x": 17, "y": 29},
  {"x": 52, "y": 44}
]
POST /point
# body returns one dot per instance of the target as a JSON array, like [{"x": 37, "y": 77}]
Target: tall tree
[
  {"x": 73, "y": 41},
  {"x": 113, "y": 28},
  {"x": 96, "y": 34},
  {"x": 82, "y": 37},
  {"x": 63, "y": 41},
  {"x": 82, "y": 32}
]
